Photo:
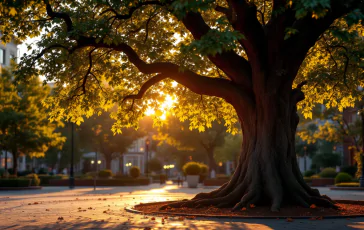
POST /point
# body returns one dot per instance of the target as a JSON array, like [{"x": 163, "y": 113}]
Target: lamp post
[
  {"x": 168, "y": 168},
  {"x": 72, "y": 179},
  {"x": 147, "y": 142},
  {"x": 127, "y": 165},
  {"x": 96, "y": 169},
  {"x": 304, "y": 160}
]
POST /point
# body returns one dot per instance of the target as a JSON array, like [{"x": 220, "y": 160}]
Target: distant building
[
  {"x": 7, "y": 52},
  {"x": 136, "y": 155}
]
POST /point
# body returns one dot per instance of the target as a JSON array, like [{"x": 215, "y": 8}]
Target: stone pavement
[{"x": 83, "y": 208}]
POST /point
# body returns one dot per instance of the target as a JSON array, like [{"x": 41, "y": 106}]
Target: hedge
[
  {"x": 350, "y": 184},
  {"x": 18, "y": 182},
  {"x": 45, "y": 179},
  {"x": 103, "y": 182}
]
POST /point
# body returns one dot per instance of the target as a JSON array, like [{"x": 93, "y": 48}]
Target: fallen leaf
[
  {"x": 152, "y": 218},
  {"x": 313, "y": 206},
  {"x": 60, "y": 218},
  {"x": 35, "y": 203},
  {"x": 181, "y": 218},
  {"x": 289, "y": 220},
  {"x": 252, "y": 206},
  {"x": 243, "y": 209},
  {"x": 47, "y": 209}
]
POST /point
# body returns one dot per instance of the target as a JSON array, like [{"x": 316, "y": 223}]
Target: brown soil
[{"x": 345, "y": 209}]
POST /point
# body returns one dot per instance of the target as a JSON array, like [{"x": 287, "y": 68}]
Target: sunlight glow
[
  {"x": 163, "y": 108},
  {"x": 149, "y": 112},
  {"x": 174, "y": 83}
]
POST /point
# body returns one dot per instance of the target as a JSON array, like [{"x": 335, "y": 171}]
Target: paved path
[{"x": 83, "y": 208}]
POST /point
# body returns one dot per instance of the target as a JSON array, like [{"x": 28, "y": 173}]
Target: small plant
[
  {"x": 105, "y": 173},
  {"x": 35, "y": 179},
  {"x": 204, "y": 169},
  {"x": 350, "y": 184},
  {"x": 134, "y": 172},
  {"x": 315, "y": 176},
  {"x": 343, "y": 177},
  {"x": 192, "y": 168},
  {"x": 328, "y": 173},
  {"x": 349, "y": 169},
  {"x": 309, "y": 173}
]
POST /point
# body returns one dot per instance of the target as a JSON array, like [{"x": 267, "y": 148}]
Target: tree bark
[
  {"x": 15, "y": 161},
  {"x": 267, "y": 172},
  {"x": 212, "y": 162}
]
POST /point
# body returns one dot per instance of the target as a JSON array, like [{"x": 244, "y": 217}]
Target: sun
[{"x": 163, "y": 109}]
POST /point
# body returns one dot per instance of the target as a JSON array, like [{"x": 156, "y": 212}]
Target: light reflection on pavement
[{"x": 83, "y": 208}]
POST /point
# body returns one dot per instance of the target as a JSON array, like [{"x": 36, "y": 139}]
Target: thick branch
[
  {"x": 226, "y": 61},
  {"x": 254, "y": 41},
  {"x": 66, "y": 18},
  {"x": 309, "y": 30},
  {"x": 152, "y": 81},
  {"x": 131, "y": 10}
]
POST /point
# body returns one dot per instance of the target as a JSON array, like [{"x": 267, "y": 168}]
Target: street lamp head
[
  {"x": 92, "y": 162},
  {"x": 99, "y": 162},
  {"x": 147, "y": 141}
]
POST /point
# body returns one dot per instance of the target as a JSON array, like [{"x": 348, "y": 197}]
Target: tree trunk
[
  {"x": 6, "y": 161},
  {"x": 15, "y": 162},
  {"x": 267, "y": 172},
  {"x": 212, "y": 162},
  {"x": 108, "y": 160}
]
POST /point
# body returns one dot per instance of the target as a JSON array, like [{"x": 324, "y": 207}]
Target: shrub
[
  {"x": 328, "y": 173},
  {"x": 134, "y": 172},
  {"x": 349, "y": 169},
  {"x": 154, "y": 165},
  {"x": 35, "y": 179},
  {"x": 192, "y": 168},
  {"x": 309, "y": 173},
  {"x": 315, "y": 176},
  {"x": 15, "y": 182},
  {"x": 307, "y": 179},
  {"x": 105, "y": 173},
  {"x": 45, "y": 179},
  {"x": 348, "y": 184},
  {"x": 343, "y": 177},
  {"x": 24, "y": 173},
  {"x": 120, "y": 176},
  {"x": 43, "y": 171},
  {"x": 89, "y": 174},
  {"x": 204, "y": 169},
  {"x": 2, "y": 171}
]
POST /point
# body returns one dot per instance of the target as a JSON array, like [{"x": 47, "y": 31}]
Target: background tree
[
  {"x": 179, "y": 134},
  {"x": 24, "y": 123},
  {"x": 229, "y": 151},
  {"x": 155, "y": 165},
  {"x": 96, "y": 135},
  {"x": 248, "y": 57}
]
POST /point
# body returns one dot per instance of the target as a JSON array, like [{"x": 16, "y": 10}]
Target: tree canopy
[
  {"x": 204, "y": 60},
  {"x": 100, "y": 52},
  {"x": 24, "y": 124}
]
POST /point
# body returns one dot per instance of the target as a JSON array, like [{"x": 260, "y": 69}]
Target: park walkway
[{"x": 83, "y": 208}]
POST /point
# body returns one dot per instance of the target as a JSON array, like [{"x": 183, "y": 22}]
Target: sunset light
[{"x": 163, "y": 108}]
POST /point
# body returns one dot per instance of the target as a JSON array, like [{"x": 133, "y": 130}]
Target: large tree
[
  {"x": 248, "y": 57},
  {"x": 24, "y": 125}
]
